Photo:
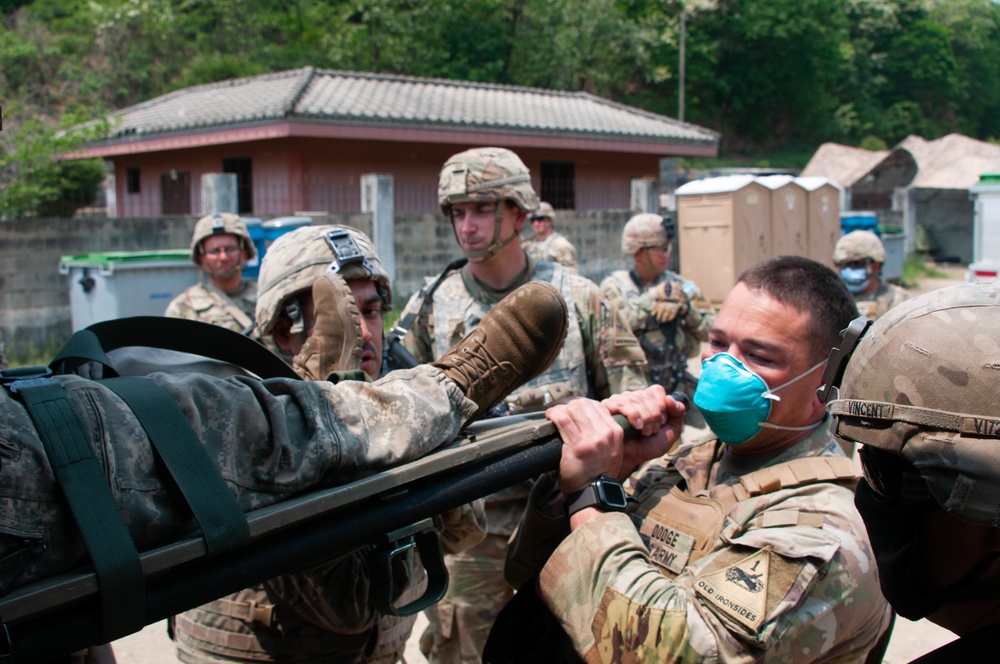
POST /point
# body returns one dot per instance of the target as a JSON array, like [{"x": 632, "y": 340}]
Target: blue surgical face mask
[
  {"x": 736, "y": 402},
  {"x": 855, "y": 278}
]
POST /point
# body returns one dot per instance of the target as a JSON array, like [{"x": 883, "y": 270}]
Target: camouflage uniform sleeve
[
  {"x": 614, "y": 358},
  {"x": 307, "y": 594},
  {"x": 463, "y": 527},
  {"x": 773, "y": 584},
  {"x": 419, "y": 340},
  {"x": 694, "y": 329},
  {"x": 536, "y": 536},
  {"x": 636, "y": 310}
]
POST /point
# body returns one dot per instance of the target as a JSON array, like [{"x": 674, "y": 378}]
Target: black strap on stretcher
[
  {"x": 85, "y": 486},
  {"x": 83, "y": 480}
]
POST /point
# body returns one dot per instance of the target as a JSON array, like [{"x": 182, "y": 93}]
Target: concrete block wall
[{"x": 34, "y": 297}]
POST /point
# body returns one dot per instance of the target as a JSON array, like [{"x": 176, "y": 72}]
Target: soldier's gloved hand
[{"x": 669, "y": 302}]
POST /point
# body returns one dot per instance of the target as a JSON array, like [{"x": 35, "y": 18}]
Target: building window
[
  {"x": 558, "y": 184},
  {"x": 132, "y": 180},
  {"x": 243, "y": 168}
]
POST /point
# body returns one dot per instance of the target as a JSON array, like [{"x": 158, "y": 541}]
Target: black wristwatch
[{"x": 605, "y": 493}]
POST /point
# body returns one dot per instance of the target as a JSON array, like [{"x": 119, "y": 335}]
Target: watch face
[{"x": 613, "y": 495}]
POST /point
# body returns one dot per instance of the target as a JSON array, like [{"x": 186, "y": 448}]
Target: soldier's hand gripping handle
[{"x": 630, "y": 432}]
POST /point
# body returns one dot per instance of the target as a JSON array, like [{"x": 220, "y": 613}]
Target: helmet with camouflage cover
[
  {"x": 486, "y": 174},
  {"x": 219, "y": 224},
  {"x": 857, "y": 246},
  {"x": 297, "y": 259},
  {"x": 643, "y": 231},
  {"x": 921, "y": 385},
  {"x": 544, "y": 211}
]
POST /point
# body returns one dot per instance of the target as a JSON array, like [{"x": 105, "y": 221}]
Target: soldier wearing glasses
[{"x": 220, "y": 246}]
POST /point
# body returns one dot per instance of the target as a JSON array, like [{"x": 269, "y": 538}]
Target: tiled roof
[{"x": 335, "y": 97}]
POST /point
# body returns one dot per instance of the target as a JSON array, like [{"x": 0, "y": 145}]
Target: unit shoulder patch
[
  {"x": 746, "y": 588},
  {"x": 739, "y": 590}
]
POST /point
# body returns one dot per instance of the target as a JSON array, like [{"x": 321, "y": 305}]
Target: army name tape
[{"x": 937, "y": 419}]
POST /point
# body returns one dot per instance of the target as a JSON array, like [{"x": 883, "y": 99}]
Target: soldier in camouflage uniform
[
  {"x": 220, "y": 246},
  {"x": 859, "y": 256},
  {"x": 313, "y": 615},
  {"x": 547, "y": 244},
  {"x": 659, "y": 305},
  {"x": 742, "y": 547},
  {"x": 269, "y": 439},
  {"x": 920, "y": 394},
  {"x": 486, "y": 194},
  {"x": 3, "y": 358}
]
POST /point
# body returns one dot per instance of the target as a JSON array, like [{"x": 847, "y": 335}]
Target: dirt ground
[{"x": 909, "y": 639}]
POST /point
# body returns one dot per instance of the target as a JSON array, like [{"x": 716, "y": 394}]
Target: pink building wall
[{"x": 323, "y": 175}]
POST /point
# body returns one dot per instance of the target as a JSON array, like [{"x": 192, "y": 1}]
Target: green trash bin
[{"x": 119, "y": 284}]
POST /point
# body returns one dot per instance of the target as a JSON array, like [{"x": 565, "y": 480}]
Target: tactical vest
[
  {"x": 248, "y": 626},
  {"x": 217, "y": 308},
  {"x": 667, "y": 360},
  {"x": 456, "y": 313},
  {"x": 678, "y": 528}
]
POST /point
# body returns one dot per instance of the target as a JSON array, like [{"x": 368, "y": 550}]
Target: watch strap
[{"x": 592, "y": 496}]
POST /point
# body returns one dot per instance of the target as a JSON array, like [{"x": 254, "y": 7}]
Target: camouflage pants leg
[{"x": 461, "y": 622}]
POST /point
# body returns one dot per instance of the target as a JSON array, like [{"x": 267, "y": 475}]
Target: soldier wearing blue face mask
[
  {"x": 859, "y": 256},
  {"x": 742, "y": 546}
]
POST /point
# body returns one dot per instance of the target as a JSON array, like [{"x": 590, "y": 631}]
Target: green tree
[
  {"x": 922, "y": 70},
  {"x": 34, "y": 181},
  {"x": 777, "y": 67},
  {"x": 973, "y": 28}
]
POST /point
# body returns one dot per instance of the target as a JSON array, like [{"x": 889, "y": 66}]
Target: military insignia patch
[{"x": 739, "y": 590}]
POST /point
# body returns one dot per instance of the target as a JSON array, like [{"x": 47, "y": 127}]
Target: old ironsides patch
[{"x": 739, "y": 590}]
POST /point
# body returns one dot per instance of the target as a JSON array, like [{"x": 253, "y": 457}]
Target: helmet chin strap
[{"x": 481, "y": 255}]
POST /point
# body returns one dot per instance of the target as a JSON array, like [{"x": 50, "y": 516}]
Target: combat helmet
[
  {"x": 486, "y": 174},
  {"x": 920, "y": 385},
  {"x": 296, "y": 259},
  {"x": 857, "y": 246},
  {"x": 219, "y": 224},
  {"x": 544, "y": 211},
  {"x": 646, "y": 230}
]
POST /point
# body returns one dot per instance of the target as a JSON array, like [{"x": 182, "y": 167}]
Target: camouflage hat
[
  {"x": 544, "y": 211},
  {"x": 857, "y": 246},
  {"x": 485, "y": 174},
  {"x": 642, "y": 231},
  {"x": 298, "y": 258},
  {"x": 219, "y": 224},
  {"x": 921, "y": 384}
]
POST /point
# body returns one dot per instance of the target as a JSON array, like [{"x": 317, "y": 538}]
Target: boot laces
[{"x": 477, "y": 363}]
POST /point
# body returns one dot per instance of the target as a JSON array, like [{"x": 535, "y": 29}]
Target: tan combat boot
[
  {"x": 516, "y": 341},
  {"x": 335, "y": 343}
]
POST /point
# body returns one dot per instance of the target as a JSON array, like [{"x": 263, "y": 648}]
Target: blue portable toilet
[
  {"x": 858, "y": 220},
  {"x": 263, "y": 233},
  {"x": 275, "y": 228},
  {"x": 256, "y": 229}
]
